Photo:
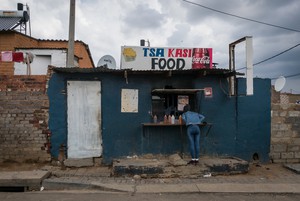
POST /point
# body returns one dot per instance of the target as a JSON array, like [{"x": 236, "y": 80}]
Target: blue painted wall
[
  {"x": 57, "y": 113},
  {"x": 241, "y": 125}
]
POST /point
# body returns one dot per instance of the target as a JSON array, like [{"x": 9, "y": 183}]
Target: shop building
[{"x": 108, "y": 113}]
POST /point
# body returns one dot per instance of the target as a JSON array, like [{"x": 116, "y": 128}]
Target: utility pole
[{"x": 70, "y": 56}]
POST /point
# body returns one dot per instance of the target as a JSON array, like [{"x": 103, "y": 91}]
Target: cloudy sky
[{"x": 106, "y": 25}]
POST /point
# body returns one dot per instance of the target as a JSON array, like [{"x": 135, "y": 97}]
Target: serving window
[{"x": 171, "y": 101}]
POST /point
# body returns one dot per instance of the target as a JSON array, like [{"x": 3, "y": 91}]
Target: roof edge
[{"x": 203, "y": 72}]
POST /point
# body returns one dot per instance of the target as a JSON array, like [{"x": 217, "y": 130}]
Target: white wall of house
[{"x": 42, "y": 58}]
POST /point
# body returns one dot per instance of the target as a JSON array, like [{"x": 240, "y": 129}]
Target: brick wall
[
  {"x": 285, "y": 131},
  {"x": 24, "y": 110}
]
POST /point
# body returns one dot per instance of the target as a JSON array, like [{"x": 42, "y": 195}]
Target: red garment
[{"x": 18, "y": 57}]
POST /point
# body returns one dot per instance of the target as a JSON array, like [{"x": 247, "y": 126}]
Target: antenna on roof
[
  {"x": 279, "y": 83},
  {"x": 107, "y": 61}
]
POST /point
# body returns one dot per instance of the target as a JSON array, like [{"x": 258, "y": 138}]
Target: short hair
[{"x": 186, "y": 108}]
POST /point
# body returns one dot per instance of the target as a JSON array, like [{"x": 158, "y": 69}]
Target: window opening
[{"x": 171, "y": 102}]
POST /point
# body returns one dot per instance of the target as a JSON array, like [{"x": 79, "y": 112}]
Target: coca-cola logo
[{"x": 201, "y": 60}]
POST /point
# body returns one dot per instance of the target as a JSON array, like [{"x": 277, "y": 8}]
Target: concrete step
[
  {"x": 228, "y": 165},
  {"x": 174, "y": 166},
  {"x": 22, "y": 180},
  {"x": 138, "y": 167}
]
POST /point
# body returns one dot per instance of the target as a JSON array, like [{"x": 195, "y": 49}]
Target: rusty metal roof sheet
[{"x": 204, "y": 72}]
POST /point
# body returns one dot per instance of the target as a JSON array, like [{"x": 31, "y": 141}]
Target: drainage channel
[{"x": 13, "y": 188}]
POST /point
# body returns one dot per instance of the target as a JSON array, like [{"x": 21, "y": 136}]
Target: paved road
[
  {"x": 268, "y": 179},
  {"x": 92, "y": 195}
]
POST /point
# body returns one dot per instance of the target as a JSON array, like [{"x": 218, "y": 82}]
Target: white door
[{"x": 84, "y": 119}]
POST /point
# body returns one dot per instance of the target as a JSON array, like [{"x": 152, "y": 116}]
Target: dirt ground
[{"x": 267, "y": 171}]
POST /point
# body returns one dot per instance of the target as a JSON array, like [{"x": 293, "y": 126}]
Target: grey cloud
[
  {"x": 179, "y": 35},
  {"x": 282, "y": 13},
  {"x": 143, "y": 17}
]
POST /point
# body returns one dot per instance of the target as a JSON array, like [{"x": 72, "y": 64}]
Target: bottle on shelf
[
  {"x": 172, "y": 119},
  {"x": 155, "y": 119},
  {"x": 169, "y": 119},
  {"x": 165, "y": 119},
  {"x": 180, "y": 119}
]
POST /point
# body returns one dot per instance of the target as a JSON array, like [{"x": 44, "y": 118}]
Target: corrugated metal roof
[
  {"x": 214, "y": 71},
  {"x": 41, "y": 48},
  {"x": 7, "y": 23},
  {"x": 59, "y": 40},
  {"x": 38, "y": 39},
  {"x": 88, "y": 70}
]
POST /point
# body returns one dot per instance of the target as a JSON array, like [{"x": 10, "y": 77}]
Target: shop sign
[{"x": 165, "y": 58}]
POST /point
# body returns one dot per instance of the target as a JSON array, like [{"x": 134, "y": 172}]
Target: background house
[{"x": 46, "y": 52}]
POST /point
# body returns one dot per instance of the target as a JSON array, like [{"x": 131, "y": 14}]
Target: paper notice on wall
[
  {"x": 182, "y": 101},
  {"x": 129, "y": 102}
]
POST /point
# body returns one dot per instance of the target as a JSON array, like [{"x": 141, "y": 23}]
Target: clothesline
[{"x": 9, "y": 56}]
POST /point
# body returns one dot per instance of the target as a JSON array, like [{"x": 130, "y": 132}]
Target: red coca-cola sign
[{"x": 202, "y": 58}]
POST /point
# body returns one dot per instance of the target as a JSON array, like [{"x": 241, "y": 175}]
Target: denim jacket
[{"x": 192, "y": 118}]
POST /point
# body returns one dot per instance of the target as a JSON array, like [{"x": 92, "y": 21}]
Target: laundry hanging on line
[
  {"x": 9, "y": 56},
  {"x": 18, "y": 57},
  {"x": 6, "y": 56}
]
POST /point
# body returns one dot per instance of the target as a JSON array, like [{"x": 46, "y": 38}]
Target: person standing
[{"x": 192, "y": 121}]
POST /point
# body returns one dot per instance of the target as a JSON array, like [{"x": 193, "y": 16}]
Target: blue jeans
[{"x": 193, "y": 132}]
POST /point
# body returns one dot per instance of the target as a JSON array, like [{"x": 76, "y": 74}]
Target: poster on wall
[
  {"x": 165, "y": 58},
  {"x": 208, "y": 93},
  {"x": 182, "y": 101},
  {"x": 129, "y": 100}
]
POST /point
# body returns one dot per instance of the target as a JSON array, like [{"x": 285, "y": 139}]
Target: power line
[
  {"x": 256, "y": 21},
  {"x": 294, "y": 75},
  {"x": 272, "y": 57},
  {"x": 287, "y": 76},
  {"x": 244, "y": 18}
]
